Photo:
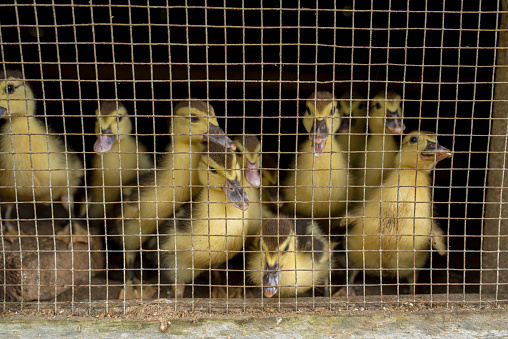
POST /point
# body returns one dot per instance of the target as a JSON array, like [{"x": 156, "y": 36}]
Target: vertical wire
[
  {"x": 422, "y": 88},
  {"x": 160, "y": 266},
  {"x": 456, "y": 117},
  {"x": 32, "y": 174},
  {"x": 207, "y": 85},
  {"x": 331, "y": 250},
  {"x": 404, "y": 79},
  {"x": 36, "y": 224},
  {"x": 2, "y": 221},
  {"x": 279, "y": 124},
  {"x": 67, "y": 168},
  {"x": 440, "y": 81},
  {"x": 383, "y": 169},
  {"x": 152, "y": 91},
  {"x": 96, "y": 69},
  {"x": 244, "y": 301},
  {"x": 111, "y": 27},
  {"x": 262, "y": 74},
  {"x": 80, "y": 99},
  {"x": 364, "y": 300},
  {"x": 346, "y": 234},
  {"x": 187, "y": 45},
  {"x": 171, "y": 149},
  {"x": 314, "y": 170},
  {"x": 226, "y": 131}
]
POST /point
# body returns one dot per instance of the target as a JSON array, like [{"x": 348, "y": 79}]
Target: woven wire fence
[{"x": 107, "y": 76}]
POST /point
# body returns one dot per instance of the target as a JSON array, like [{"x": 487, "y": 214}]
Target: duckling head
[
  {"x": 386, "y": 114},
  {"x": 16, "y": 96},
  {"x": 249, "y": 147},
  {"x": 223, "y": 172},
  {"x": 420, "y": 150},
  {"x": 277, "y": 244},
  {"x": 113, "y": 124},
  {"x": 321, "y": 118},
  {"x": 352, "y": 111},
  {"x": 193, "y": 118}
]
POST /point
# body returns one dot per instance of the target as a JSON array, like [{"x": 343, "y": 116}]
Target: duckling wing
[{"x": 438, "y": 239}]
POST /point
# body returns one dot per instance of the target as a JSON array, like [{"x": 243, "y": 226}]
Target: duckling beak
[
  {"x": 271, "y": 279},
  {"x": 252, "y": 174},
  {"x": 346, "y": 123},
  {"x": 104, "y": 141},
  {"x": 236, "y": 194},
  {"x": 3, "y": 111},
  {"x": 433, "y": 149},
  {"x": 394, "y": 123},
  {"x": 319, "y": 136},
  {"x": 217, "y": 134}
]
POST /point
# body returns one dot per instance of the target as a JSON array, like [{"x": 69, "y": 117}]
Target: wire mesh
[{"x": 111, "y": 193}]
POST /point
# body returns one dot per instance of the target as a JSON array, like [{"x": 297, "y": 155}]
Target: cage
[{"x": 257, "y": 64}]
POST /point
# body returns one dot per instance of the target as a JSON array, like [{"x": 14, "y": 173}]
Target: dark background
[{"x": 261, "y": 61}]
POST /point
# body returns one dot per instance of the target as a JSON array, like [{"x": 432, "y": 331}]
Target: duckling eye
[
  {"x": 194, "y": 118},
  {"x": 360, "y": 106},
  {"x": 286, "y": 248},
  {"x": 10, "y": 89},
  {"x": 378, "y": 105},
  {"x": 214, "y": 171},
  {"x": 413, "y": 140},
  {"x": 332, "y": 111}
]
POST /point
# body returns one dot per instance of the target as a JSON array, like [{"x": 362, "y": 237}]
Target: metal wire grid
[{"x": 258, "y": 65}]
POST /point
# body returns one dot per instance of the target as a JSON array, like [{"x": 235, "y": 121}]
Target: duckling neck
[
  {"x": 28, "y": 134},
  {"x": 411, "y": 177},
  {"x": 216, "y": 205},
  {"x": 185, "y": 153},
  {"x": 359, "y": 126},
  {"x": 383, "y": 141}
]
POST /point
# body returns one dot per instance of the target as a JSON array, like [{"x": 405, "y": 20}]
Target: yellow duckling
[
  {"x": 34, "y": 164},
  {"x": 210, "y": 230},
  {"x": 249, "y": 158},
  {"x": 396, "y": 229},
  {"x": 353, "y": 128},
  {"x": 384, "y": 123},
  {"x": 173, "y": 183},
  {"x": 294, "y": 258},
  {"x": 318, "y": 185},
  {"x": 118, "y": 159}
]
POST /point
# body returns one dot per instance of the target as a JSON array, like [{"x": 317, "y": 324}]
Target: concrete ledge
[{"x": 388, "y": 324}]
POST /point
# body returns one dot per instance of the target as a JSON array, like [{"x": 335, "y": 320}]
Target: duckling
[
  {"x": 210, "y": 230},
  {"x": 270, "y": 183},
  {"x": 35, "y": 165},
  {"x": 173, "y": 183},
  {"x": 318, "y": 185},
  {"x": 384, "y": 122},
  {"x": 352, "y": 130},
  {"x": 249, "y": 158},
  {"x": 396, "y": 228},
  {"x": 118, "y": 159},
  {"x": 294, "y": 257}
]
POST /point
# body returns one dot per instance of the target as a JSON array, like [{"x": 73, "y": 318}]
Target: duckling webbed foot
[
  {"x": 230, "y": 292},
  {"x": 134, "y": 290},
  {"x": 79, "y": 234},
  {"x": 179, "y": 290},
  {"x": 11, "y": 232},
  {"x": 349, "y": 291}
]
